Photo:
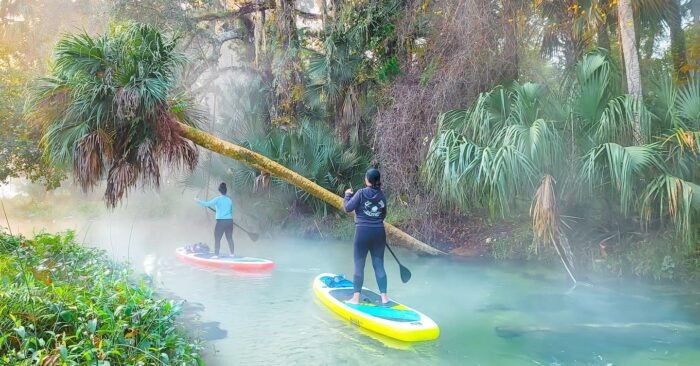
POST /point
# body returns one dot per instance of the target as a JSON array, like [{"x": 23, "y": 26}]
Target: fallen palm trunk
[{"x": 263, "y": 163}]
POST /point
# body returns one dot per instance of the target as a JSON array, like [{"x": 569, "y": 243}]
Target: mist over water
[{"x": 489, "y": 314}]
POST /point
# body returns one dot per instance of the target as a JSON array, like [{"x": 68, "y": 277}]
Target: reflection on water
[{"x": 489, "y": 314}]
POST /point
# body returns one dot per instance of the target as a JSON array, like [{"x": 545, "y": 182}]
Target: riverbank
[
  {"x": 68, "y": 303},
  {"x": 643, "y": 256},
  {"x": 657, "y": 257}
]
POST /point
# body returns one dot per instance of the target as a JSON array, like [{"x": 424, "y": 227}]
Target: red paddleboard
[{"x": 225, "y": 262}]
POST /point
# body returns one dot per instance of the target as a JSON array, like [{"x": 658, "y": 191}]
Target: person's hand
[{"x": 349, "y": 190}]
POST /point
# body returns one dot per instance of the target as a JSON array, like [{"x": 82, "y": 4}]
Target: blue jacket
[
  {"x": 223, "y": 206},
  {"x": 369, "y": 205}
]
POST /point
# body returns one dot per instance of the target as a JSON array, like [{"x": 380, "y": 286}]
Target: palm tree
[
  {"x": 678, "y": 48},
  {"x": 334, "y": 87},
  {"x": 571, "y": 25},
  {"x": 108, "y": 108},
  {"x": 628, "y": 39}
]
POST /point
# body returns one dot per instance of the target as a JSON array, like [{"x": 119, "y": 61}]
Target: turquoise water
[{"x": 489, "y": 314}]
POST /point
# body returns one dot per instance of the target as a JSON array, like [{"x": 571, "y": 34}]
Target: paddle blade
[
  {"x": 405, "y": 274},
  {"x": 253, "y": 236}
]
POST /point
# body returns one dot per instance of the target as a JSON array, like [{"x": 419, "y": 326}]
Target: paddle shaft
[
  {"x": 405, "y": 273},
  {"x": 238, "y": 226},
  {"x": 394, "y": 255}
]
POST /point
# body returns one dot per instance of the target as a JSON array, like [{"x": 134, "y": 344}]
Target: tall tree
[
  {"x": 510, "y": 34},
  {"x": 678, "y": 50},
  {"x": 288, "y": 78},
  {"x": 631, "y": 57}
]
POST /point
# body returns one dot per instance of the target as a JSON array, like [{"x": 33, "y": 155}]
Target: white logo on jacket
[{"x": 373, "y": 210}]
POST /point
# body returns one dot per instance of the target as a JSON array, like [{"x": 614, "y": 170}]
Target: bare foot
[
  {"x": 385, "y": 298},
  {"x": 355, "y": 299}
]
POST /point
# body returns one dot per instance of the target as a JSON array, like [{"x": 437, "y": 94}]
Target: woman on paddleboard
[
  {"x": 224, "y": 218},
  {"x": 369, "y": 205}
]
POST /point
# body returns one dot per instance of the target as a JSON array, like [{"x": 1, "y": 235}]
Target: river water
[{"x": 488, "y": 313}]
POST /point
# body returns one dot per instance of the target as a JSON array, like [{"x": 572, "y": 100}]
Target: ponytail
[
  {"x": 222, "y": 188},
  {"x": 374, "y": 178}
]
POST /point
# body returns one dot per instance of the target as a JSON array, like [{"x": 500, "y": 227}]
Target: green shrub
[{"x": 62, "y": 303}]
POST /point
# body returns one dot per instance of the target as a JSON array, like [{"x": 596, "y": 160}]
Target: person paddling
[
  {"x": 224, "y": 218},
  {"x": 370, "y": 209}
]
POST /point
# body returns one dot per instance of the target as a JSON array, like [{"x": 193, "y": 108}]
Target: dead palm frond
[{"x": 546, "y": 223}]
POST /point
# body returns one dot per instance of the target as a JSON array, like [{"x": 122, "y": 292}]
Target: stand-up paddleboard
[
  {"x": 392, "y": 320},
  {"x": 225, "y": 262}
]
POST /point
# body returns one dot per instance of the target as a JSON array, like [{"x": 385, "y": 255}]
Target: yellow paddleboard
[{"x": 392, "y": 320}]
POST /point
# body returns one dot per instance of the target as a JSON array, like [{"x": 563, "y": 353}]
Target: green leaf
[
  {"x": 92, "y": 325},
  {"x": 21, "y": 332},
  {"x": 67, "y": 315}
]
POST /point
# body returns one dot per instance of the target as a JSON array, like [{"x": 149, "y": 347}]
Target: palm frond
[
  {"x": 464, "y": 173},
  {"x": 544, "y": 212},
  {"x": 688, "y": 103},
  {"x": 540, "y": 142},
  {"x": 621, "y": 167},
  {"x": 620, "y": 118},
  {"x": 676, "y": 198},
  {"x": 526, "y": 107},
  {"x": 683, "y": 153},
  {"x": 482, "y": 121},
  {"x": 593, "y": 78}
]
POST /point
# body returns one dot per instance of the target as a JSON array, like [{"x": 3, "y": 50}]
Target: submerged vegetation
[{"x": 62, "y": 303}]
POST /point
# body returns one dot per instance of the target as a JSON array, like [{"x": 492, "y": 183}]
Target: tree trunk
[
  {"x": 678, "y": 50},
  {"x": 603, "y": 36},
  {"x": 510, "y": 34},
  {"x": 259, "y": 38},
  {"x": 289, "y": 81},
  {"x": 324, "y": 15},
  {"x": 263, "y": 163},
  {"x": 631, "y": 57}
]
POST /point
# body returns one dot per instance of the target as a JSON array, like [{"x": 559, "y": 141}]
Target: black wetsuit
[{"x": 370, "y": 209}]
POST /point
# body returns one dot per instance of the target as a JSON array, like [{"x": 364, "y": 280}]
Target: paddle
[
  {"x": 405, "y": 273},
  {"x": 253, "y": 236}
]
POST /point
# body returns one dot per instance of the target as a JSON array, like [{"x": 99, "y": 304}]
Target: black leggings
[
  {"x": 223, "y": 227},
  {"x": 372, "y": 240}
]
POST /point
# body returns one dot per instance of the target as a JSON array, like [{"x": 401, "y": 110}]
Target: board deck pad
[
  {"x": 393, "y": 320},
  {"x": 226, "y": 258},
  {"x": 371, "y": 304}
]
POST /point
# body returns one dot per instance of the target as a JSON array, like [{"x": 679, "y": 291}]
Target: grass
[{"x": 65, "y": 304}]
